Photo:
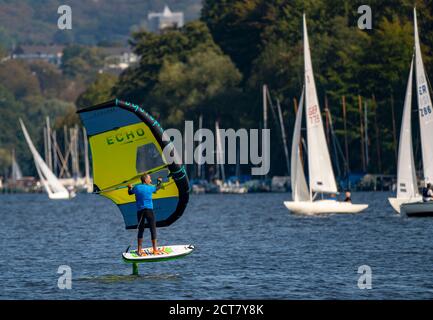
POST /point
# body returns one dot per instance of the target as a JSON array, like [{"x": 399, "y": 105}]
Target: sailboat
[
  {"x": 415, "y": 207},
  {"x": 321, "y": 174},
  {"x": 52, "y": 185},
  {"x": 407, "y": 190}
]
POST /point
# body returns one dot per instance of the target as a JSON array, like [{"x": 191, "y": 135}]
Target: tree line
[{"x": 217, "y": 65}]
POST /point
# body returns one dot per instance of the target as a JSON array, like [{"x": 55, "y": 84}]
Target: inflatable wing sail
[{"x": 125, "y": 142}]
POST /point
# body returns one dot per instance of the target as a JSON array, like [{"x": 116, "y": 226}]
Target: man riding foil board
[
  {"x": 126, "y": 143},
  {"x": 143, "y": 198}
]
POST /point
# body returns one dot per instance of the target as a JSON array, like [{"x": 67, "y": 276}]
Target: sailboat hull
[
  {"x": 323, "y": 207},
  {"x": 61, "y": 195},
  {"x": 418, "y": 209},
  {"x": 396, "y": 203},
  {"x": 233, "y": 189}
]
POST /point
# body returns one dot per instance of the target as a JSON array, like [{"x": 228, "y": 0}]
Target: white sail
[
  {"x": 321, "y": 174},
  {"x": 425, "y": 109},
  {"x": 406, "y": 176},
  {"x": 50, "y": 182},
  {"x": 16, "y": 170},
  {"x": 297, "y": 176}
]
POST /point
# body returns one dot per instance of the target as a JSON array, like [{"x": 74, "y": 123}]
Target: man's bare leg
[
  {"x": 139, "y": 245},
  {"x": 155, "y": 248}
]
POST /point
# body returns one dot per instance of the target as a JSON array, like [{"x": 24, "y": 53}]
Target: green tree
[
  {"x": 236, "y": 26},
  {"x": 98, "y": 92},
  {"x": 33, "y": 110},
  {"x": 3, "y": 52},
  {"x": 11, "y": 110},
  {"x": 5, "y": 161},
  {"x": 82, "y": 61},
  {"x": 17, "y": 77},
  {"x": 137, "y": 83},
  {"x": 51, "y": 81},
  {"x": 388, "y": 57},
  {"x": 5, "y": 39},
  {"x": 185, "y": 88}
]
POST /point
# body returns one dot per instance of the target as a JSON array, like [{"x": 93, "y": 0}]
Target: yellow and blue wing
[{"x": 125, "y": 142}]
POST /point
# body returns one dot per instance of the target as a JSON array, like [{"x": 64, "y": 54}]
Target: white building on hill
[{"x": 159, "y": 21}]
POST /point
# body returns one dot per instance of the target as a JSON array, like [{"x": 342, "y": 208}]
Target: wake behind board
[{"x": 167, "y": 253}]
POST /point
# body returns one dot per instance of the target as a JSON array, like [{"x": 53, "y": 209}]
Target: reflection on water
[{"x": 111, "y": 278}]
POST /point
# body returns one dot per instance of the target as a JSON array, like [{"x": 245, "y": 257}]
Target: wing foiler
[{"x": 125, "y": 142}]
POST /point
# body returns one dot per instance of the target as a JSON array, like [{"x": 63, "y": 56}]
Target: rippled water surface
[{"x": 247, "y": 247}]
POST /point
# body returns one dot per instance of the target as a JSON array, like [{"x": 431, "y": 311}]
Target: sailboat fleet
[{"x": 321, "y": 175}]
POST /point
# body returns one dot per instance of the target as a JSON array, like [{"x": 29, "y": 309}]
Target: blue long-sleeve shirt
[{"x": 143, "y": 195}]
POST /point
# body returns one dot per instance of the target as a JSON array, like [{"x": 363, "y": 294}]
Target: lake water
[{"x": 247, "y": 247}]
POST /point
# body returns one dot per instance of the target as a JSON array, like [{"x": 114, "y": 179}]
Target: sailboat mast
[
  {"x": 60, "y": 167},
  {"x": 86, "y": 158},
  {"x": 376, "y": 132},
  {"x": 13, "y": 173},
  {"x": 394, "y": 129},
  {"x": 328, "y": 139},
  {"x": 49, "y": 148},
  {"x": 199, "y": 166},
  {"x": 77, "y": 150},
  {"x": 334, "y": 141},
  {"x": 65, "y": 139},
  {"x": 346, "y": 144},
  {"x": 238, "y": 166},
  {"x": 265, "y": 107},
  {"x": 367, "y": 160},
  {"x": 283, "y": 135},
  {"x": 361, "y": 133},
  {"x": 265, "y": 116},
  {"x": 54, "y": 153},
  {"x": 220, "y": 154},
  {"x": 74, "y": 151},
  {"x": 71, "y": 146},
  {"x": 278, "y": 118},
  {"x": 45, "y": 145}
]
